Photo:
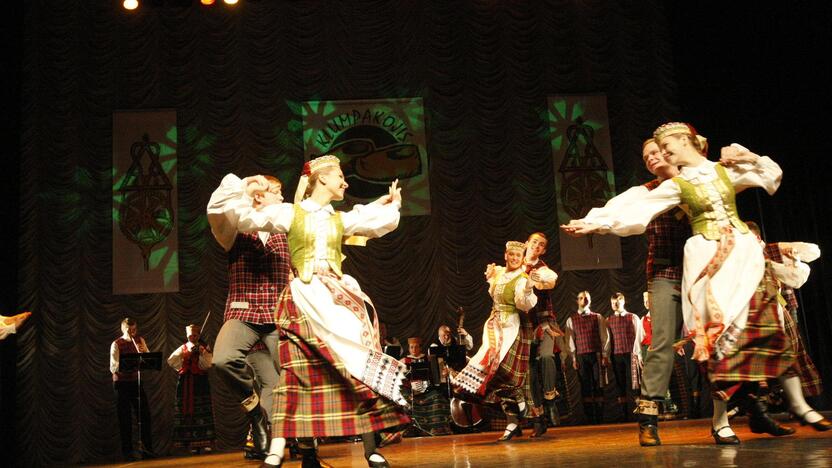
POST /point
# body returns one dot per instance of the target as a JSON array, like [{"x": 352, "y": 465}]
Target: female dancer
[
  {"x": 334, "y": 378},
  {"x": 497, "y": 372},
  {"x": 723, "y": 262}
]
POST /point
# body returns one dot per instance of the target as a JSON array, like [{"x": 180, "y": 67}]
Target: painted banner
[
  {"x": 145, "y": 245},
  {"x": 377, "y": 141},
  {"x": 579, "y": 132}
]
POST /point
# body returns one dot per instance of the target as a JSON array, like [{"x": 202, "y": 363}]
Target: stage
[{"x": 686, "y": 443}]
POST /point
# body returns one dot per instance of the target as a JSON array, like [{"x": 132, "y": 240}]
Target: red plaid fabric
[
  {"x": 257, "y": 274},
  {"x": 666, "y": 237},
  {"x": 315, "y": 395},
  {"x": 623, "y": 331},
  {"x": 647, "y": 323},
  {"x": 762, "y": 350},
  {"x": 587, "y": 332},
  {"x": 543, "y": 312},
  {"x": 804, "y": 367},
  {"x": 772, "y": 252}
]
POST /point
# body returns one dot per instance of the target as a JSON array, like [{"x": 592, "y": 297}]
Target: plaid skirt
[
  {"x": 510, "y": 384},
  {"x": 760, "y": 351},
  {"x": 315, "y": 395},
  {"x": 803, "y": 367},
  {"x": 193, "y": 423}
]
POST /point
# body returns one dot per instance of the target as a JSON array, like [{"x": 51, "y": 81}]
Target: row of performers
[
  {"x": 602, "y": 351},
  {"x": 335, "y": 381}
]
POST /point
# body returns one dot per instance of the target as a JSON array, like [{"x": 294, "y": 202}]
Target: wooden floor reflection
[{"x": 685, "y": 444}]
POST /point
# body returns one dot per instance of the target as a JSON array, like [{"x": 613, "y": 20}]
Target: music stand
[
  {"x": 136, "y": 362},
  {"x": 419, "y": 371}
]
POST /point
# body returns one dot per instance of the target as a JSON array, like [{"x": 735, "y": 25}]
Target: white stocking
[
  {"x": 794, "y": 392},
  {"x": 720, "y": 419}
]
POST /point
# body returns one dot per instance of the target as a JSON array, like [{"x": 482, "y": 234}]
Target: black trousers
[
  {"x": 621, "y": 366},
  {"x": 127, "y": 397}
]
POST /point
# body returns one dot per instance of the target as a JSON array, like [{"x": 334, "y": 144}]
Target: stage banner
[
  {"x": 145, "y": 245},
  {"x": 579, "y": 133},
  {"x": 377, "y": 141}
]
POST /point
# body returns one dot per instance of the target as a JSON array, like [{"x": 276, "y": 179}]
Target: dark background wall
[{"x": 484, "y": 69}]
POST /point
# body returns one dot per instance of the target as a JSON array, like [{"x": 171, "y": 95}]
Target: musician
[
  {"x": 430, "y": 405},
  {"x": 128, "y": 391},
  {"x": 446, "y": 338},
  {"x": 390, "y": 345},
  {"x": 588, "y": 346},
  {"x": 194, "y": 419}
]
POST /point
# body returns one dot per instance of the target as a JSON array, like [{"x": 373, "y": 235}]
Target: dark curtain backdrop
[{"x": 484, "y": 69}]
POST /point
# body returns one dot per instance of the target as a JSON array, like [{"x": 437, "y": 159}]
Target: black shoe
[
  {"x": 539, "y": 428},
  {"x": 821, "y": 426},
  {"x": 381, "y": 464},
  {"x": 730, "y": 440},
  {"x": 259, "y": 433},
  {"x": 648, "y": 423},
  {"x": 507, "y": 435},
  {"x": 759, "y": 421}
]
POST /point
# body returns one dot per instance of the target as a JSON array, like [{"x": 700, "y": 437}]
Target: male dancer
[
  {"x": 258, "y": 271},
  {"x": 543, "y": 371}
]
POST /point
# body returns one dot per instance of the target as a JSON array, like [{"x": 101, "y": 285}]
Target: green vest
[
  {"x": 301, "y": 239},
  {"x": 505, "y": 301},
  {"x": 700, "y": 211}
]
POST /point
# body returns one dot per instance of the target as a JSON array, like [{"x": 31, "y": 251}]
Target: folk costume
[
  {"x": 430, "y": 404},
  {"x": 129, "y": 394},
  {"x": 588, "y": 343},
  {"x": 622, "y": 326},
  {"x": 193, "y": 421},
  {"x": 334, "y": 379},
  {"x": 723, "y": 263},
  {"x": 258, "y": 271},
  {"x": 497, "y": 372},
  {"x": 544, "y": 367}
]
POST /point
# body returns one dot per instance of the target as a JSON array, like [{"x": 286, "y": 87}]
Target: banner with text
[
  {"x": 580, "y": 137},
  {"x": 377, "y": 141},
  {"x": 145, "y": 245}
]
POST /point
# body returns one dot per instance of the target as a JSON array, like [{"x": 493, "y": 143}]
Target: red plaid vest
[
  {"x": 257, "y": 274},
  {"x": 543, "y": 310},
  {"x": 623, "y": 332},
  {"x": 647, "y": 324},
  {"x": 587, "y": 338},
  {"x": 124, "y": 348},
  {"x": 666, "y": 237}
]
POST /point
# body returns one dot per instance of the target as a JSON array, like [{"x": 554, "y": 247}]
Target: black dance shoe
[
  {"x": 821, "y": 426},
  {"x": 377, "y": 464},
  {"x": 730, "y": 440},
  {"x": 507, "y": 435},
  {"x": 539, "y": 428}
]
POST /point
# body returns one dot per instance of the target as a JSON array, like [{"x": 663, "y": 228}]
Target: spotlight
[
  {"x": 130, "y": 4},
  {"x": 206, "y": 2},
  {"x": 230, "y": 2}
]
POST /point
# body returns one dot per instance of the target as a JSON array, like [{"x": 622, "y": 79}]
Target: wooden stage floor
[{"x": 685, "y": 444}]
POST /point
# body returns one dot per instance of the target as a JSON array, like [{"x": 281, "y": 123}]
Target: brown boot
[{"x": 648, "y": 423}]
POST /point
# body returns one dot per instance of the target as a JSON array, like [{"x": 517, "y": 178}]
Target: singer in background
[{"x": 128, "y": 392}]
